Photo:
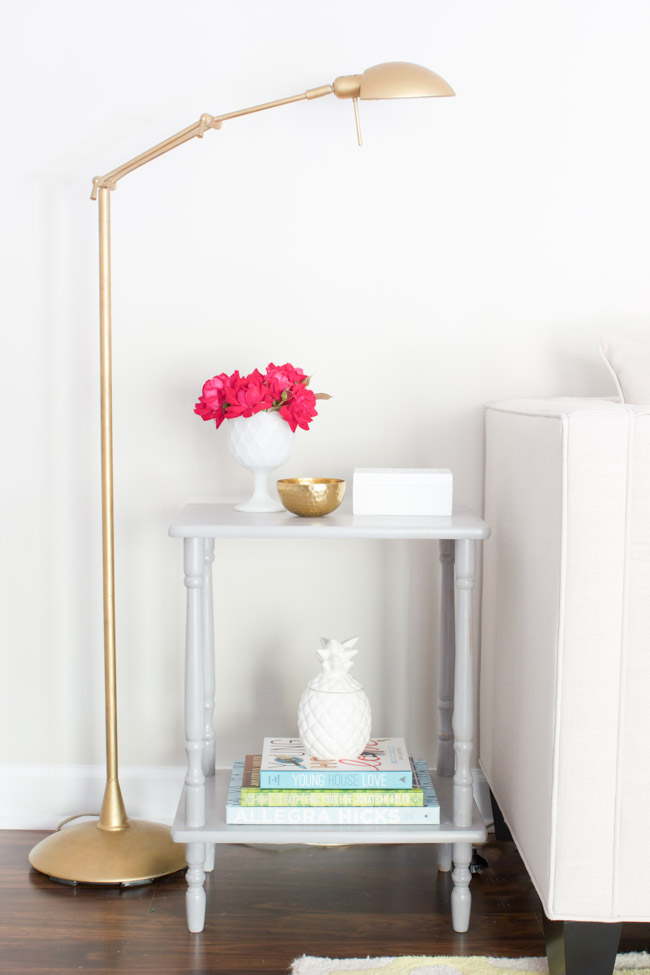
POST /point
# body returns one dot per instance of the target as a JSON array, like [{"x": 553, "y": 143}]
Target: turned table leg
[
  {"x": 194, "y": 565},
  {"x": 195, "y": 897},
  {"x": 461, "y": 898},
  {"x": 446, "y": 663},
  {"x": 207, "y": 646},
  {"x": 207, "y": 642}
]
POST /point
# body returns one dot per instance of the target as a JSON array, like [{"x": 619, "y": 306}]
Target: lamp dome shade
[{"x": 399, "y": 79}]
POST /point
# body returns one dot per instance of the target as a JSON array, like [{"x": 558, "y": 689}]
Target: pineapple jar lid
[{"x": 336, "y": 660}]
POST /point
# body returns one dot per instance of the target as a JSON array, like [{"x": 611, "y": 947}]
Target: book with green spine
[{"x": 253, "y": 795}]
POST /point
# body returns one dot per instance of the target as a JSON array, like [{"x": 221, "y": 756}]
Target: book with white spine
[{"x": 383, "y": 764}]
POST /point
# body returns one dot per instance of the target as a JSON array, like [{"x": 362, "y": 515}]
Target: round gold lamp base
[{"x": 85, "y": 854}]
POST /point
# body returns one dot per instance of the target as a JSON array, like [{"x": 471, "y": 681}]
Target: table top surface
[{"x": 224, "y": 521}]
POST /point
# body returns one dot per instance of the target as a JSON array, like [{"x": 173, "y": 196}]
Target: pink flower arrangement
[{"x": 282, "y": 389}]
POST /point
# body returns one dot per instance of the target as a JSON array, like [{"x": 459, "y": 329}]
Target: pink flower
[
  {"x": 300, "y": 408},
  {"x": 281, "y": 388},
  {"x": 281, "y": 378},
  {"x": 246, "y": 396},
  {"x": 211, "y": 400}
]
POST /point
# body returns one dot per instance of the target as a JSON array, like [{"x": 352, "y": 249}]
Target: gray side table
[{"x": 200, "y": 820}]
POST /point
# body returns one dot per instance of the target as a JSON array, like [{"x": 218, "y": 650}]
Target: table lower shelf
[{"x": 216, "y": 830}]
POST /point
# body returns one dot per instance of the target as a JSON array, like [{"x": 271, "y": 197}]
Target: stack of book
[{"x": 284, "y": 786}]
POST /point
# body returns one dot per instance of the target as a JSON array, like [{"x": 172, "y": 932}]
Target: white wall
[{"x": 475, "y": 248}]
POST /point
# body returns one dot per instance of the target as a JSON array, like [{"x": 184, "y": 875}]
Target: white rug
[{"x": 639, "y": 963}]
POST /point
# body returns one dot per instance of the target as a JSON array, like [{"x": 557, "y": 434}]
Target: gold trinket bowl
[{"x": 311, "y": 497}]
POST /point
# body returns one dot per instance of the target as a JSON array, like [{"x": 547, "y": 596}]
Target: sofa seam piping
[
  {"x": 631, "y": 431},
  {"x": 557, "y": 730}
]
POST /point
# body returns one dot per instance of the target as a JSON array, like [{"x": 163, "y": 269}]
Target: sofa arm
[{"x": 565, "y": 727}]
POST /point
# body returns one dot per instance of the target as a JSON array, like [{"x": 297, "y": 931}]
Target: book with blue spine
[
  {"x": 238, "y": 815},
  {"x": 383, "y": 764},
  {"x": 253, "y": 795}
]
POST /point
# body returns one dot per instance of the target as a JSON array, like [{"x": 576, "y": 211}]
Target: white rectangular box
[{"x": 402, "y": 491}]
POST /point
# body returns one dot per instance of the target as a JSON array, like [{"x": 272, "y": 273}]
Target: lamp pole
[{"x": 113, "y": 814}]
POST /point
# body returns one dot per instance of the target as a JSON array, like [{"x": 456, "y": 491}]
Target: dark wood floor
[{"x": 266, "y": 906}]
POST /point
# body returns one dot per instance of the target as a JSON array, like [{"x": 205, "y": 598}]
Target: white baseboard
[{"x": 42, "y": 796}]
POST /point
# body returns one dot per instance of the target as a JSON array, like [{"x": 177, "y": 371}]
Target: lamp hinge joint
[
  {"x": 100, "y": 183},
  {"x": 208, "y": 122}
]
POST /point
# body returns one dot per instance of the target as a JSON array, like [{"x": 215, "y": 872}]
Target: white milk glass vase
[{"x": 260, "y": 443}]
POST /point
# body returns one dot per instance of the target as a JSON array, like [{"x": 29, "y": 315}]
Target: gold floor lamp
[{"x": 116, "y": 849}]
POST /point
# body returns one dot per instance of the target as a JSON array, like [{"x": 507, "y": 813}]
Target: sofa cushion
[{"x": 629, "y": 364}]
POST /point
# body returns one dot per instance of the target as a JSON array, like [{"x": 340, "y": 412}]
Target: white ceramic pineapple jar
[{"x": 334, "y": 712}]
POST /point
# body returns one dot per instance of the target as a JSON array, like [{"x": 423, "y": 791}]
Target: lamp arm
[
  {"x": 196, "y": 130},
  {"x": 113, "y": 814}
]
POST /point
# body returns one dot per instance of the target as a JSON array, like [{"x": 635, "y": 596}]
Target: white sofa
[{"x": 565, "y": 662}]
